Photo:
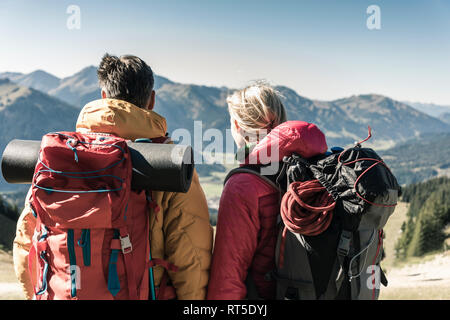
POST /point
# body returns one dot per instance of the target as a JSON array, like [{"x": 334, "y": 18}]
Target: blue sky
[{"x": 322, "y": 49}]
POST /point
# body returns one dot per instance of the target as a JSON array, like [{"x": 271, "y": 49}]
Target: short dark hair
[{"x": 126, "y": 78}]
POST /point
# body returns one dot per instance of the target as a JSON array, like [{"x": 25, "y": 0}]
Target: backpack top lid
[
  {"x": 87, "y": 174},
  {"x": 358, "y": 178}
]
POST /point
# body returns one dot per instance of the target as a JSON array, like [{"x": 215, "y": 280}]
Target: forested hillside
[
  {"x": 426, "y": 229},
  {"x": 419, "y": 159}
]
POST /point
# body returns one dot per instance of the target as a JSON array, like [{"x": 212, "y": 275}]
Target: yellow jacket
[{"x": 181, "y": 233}]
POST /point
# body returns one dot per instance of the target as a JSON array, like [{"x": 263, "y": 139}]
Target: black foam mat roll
[{"x": 159, "y": 167}]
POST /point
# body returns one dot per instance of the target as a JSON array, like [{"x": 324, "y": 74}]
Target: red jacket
[{"x": 246, "y": 228}]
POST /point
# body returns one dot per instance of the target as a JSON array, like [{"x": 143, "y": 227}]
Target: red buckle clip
[{"x": 126, "y": 245}]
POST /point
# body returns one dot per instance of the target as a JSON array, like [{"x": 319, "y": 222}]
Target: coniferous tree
[{"x": 428, "y": 216}]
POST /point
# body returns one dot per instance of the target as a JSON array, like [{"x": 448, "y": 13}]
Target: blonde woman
[{"x": 249, "y": 207}]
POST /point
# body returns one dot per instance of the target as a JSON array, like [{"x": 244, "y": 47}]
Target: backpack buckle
[
  {"x": 126, "y": 245},
  {"x": 344, "y": 243}
]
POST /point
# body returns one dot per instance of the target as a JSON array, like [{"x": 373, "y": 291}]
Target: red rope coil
[{"x": 307, "y": 209}]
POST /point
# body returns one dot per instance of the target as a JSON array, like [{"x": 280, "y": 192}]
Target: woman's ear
[
  {"x": 236, "y": 126},
  {"x": 240, "y": 131},
  {"x": 103, "y": 94}
]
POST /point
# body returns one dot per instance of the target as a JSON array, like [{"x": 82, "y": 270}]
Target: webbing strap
[
  {"x": 151, "y": 279},
  {"x": 128, "y": 259},
  {"x": 335, "y": 282},
  {"x": 85, "y": 243},
  {"x": 163, "y": 263},
  {"x": 246, "y": 170},
  {"x": 152, "y": 204},
  {"x": 163, "y": 285},
  {"x": 44, "y": 274},
  {"x": 343, "y": 250},
  {"x": 344, "y": 243},
  {"x": 307, "y": 291},
  {"x": 41, "y": 247},
  {"x": 73, "y": 262},
  {"x": 113, "y": 277}
]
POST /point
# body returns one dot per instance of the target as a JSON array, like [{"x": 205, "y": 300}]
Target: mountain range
[
  {"x": 430, "y": 108},
  {"x": 26, "y": 113},
  {"x": 35, "y": 103},
  {"x": 77, "y": 90}
]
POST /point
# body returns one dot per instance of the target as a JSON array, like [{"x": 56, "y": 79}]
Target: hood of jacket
[
  {"x": 303, "y": 138},
  {"x": 121, "y": 118}
]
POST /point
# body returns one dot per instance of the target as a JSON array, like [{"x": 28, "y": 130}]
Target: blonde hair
[{"x": 256, "y": 109}]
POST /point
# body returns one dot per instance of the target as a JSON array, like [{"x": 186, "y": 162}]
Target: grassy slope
[{"x": 392, "y": 233}]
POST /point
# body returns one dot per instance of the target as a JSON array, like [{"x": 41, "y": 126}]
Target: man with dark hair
[
  {"x": 127, "y": 78},
  {"x": 180, "y": 232}
]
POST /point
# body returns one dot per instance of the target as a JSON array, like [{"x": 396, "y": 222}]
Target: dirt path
[
  {"x": 10, "y": 291},
  {"x": 9, "y": 288},
  {"x": 429, "y": 280},
  {"x": 430, "y": 273}
]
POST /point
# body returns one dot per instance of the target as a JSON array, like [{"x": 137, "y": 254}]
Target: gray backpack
[{"x": 342, "y": 261}]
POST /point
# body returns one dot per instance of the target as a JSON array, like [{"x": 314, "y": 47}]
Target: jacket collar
[{"x": 122, "y": 119}]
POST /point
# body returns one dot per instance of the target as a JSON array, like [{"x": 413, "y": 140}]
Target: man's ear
[
  {"x": 151, "y": 102},
  {"x": 103, "y": 94}
]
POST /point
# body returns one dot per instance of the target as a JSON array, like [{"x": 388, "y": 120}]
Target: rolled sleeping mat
[{"x": 159, "y": 167}]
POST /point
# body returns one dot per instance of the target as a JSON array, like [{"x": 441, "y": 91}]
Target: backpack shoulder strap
[{"x": 253, "y": 170}]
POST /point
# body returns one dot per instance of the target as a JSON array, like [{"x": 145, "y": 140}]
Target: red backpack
[{"x": 92, "y": 231}]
